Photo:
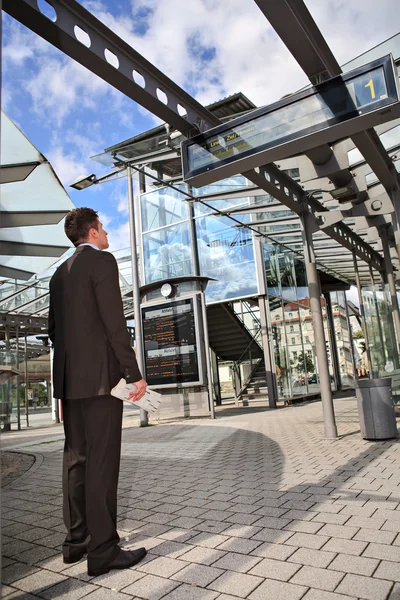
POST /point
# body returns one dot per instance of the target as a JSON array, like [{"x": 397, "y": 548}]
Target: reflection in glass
[
  {"x": 167, "y": 253},
  {"x": 162, "y": 207},
  {"x": 226, "y": 254},
  {"x": 343, "y": 342}
]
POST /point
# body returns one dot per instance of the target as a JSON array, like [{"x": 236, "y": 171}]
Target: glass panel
[
  {"x": 343, "y": 342},
  {"x": 381, "y": 336},
  {"x": 226, "y": 254},
  {"x": 295, "y": 349},
  {"x": 301, "y": 279},
  {"x": 167, "y": 253},
  {"x": 272, "y": 269},
  {"x": 287, "y": 273},
  {"x": 162, "y": 207},
  {"x": 225, "y": 185},
  {"x": 223, "y": 204},
  {"x": 309, "y": 352}
]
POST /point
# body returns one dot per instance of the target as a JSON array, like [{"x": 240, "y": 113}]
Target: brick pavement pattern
[{"x": 256, "y": 505}]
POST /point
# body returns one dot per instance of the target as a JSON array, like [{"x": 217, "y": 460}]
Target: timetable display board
[
  {"x": 333, "y": 102},
  {"x": 170, "y": 343}
]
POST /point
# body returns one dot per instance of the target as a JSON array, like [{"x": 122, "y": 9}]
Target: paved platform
[{"x": 257, "y": 505}]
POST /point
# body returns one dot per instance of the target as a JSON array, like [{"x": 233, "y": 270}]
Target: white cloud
[
  {"x": 200, "y": 45},
  {"x": 118, "y": 237}
]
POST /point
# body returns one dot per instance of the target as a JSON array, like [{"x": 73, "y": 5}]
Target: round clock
[{"x": 166, "y": 290}]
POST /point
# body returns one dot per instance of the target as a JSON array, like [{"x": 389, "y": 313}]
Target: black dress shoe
[
  {"x": 74, "y": 557},
  {"x": 124, "y": 560}
]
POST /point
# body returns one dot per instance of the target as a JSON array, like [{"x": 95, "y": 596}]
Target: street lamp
[{"x": 84, "y": 182}]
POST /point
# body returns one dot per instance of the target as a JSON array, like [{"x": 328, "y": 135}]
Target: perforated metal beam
[{"x": 62, "y": 34}]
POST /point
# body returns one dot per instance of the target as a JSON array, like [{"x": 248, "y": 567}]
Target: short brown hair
[{"x": 78, "y": 223}]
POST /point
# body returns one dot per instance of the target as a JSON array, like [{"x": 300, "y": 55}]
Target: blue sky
[{"x": 212, "y": 48}]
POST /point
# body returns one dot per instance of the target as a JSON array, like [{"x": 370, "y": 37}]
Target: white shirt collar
[{"x": 87, "y": 244}]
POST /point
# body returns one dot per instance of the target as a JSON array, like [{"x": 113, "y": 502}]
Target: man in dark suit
[{"x": 92, "y": 352}]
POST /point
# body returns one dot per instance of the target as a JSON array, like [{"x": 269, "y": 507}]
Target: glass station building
[{"x": 251, "y": 247}]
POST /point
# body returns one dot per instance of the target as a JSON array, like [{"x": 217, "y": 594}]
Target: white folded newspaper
[{"x": 150, "y": 401}]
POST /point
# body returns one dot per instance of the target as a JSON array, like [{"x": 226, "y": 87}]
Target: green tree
[
  {"x": 305, "y": 361},
  {"x": 359, "y": 335}
]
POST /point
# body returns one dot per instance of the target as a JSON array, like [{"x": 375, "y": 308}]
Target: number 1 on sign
[{"x": 371, "y": 87}]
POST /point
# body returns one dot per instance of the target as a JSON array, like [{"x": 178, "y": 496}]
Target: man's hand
[{"x": 140, "y": 390}]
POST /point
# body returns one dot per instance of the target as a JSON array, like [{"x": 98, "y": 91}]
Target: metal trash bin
[{"x": 376, "y": 409}]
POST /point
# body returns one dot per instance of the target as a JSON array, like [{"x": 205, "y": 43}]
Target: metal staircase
[
  {"x": 229, "y": 337},
  {"x": 233, "y": 341}
]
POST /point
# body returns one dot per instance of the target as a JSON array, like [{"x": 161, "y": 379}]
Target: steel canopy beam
[{"x": 72, "y": 17}]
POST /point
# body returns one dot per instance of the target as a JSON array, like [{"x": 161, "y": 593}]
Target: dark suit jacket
[{"x": 87, "y": 327}]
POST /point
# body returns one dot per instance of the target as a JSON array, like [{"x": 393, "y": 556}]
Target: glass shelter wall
[{"x": 226, "y": 254}]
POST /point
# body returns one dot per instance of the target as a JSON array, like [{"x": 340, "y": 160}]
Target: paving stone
[
  {"x": 304, "y": 526},
  {"x": 178, "y": 535},
  {"x": 200, "y": 575},
  {"x": 171, "y": 549},
  {"x": 38, "y": 581},
  {"x": 366, "y": 588},
  {"x": 187, "y": 592},
  {"x": 345, "y": 546},
  {"x": 54, "y": 563},
  {"x": 278, "y": 590},
  {"x": 162, "y": 566},
  {"x": 275, "y": 569},
  {"x": 307, "y": 540},
  {"x": 208, "y": 540},
  {"x": 201, "y": 555},
  {"x": 117, "y": 580},
  {"x": 241, "y": 545},
  {"x": 245, "y": 531},
  {"x": 238, "y": 584},
  {"x": 6, "y": 590},
  {"x": 212, "y": 527},
  {"x": 104, "y": 594},
  {"x": 275, "y": 551},
  {"x": 276, "y": 536},
  {"x": 16, "y": 571},
  {"x": 16, "y": 547},
  {"x": 339, "y": 531},
  {"x": 359, "y": 565},
  {"x": 371, "y": 535},
  {"x": 233, "y": 561},
  {"x": 395, "y": 595},
  {"x": 383, "y": 552},
  {"x": 314, "y": 577},
  {"x": 70, "y": 589},
  {"x": 388, "y": 570},
  {"x": 332, "y": 518},
  {"x": 79, "y": 571},
  {"x": 321, "y": 595},
  {"x": 151, "y": 587},
  {"x": 313, "y": 558},
  {"x": 37, "y": 554},
  {"x": 366, "y": 522}
]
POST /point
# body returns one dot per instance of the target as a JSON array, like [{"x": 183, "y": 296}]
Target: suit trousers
[{"x": 91, "y": 464}]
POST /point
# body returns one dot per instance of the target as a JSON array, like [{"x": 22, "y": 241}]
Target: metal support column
[
  {"x": 391, "y": 283},
  {"x": 207, "y": 357},
  {"x": 136, "y": 287},
  {"x": 7, "y": 426},
  {"x": 216, "y": 380},
  {"x": 332, "y": 342},
  {"x": 18, "y": 379},
  {"x": 268, "y": 352},
  {"x": 26, "y": 380},
  {"x": 318, "y": 326},
  {"x": 193, "y": 240},
  {"x": 362, "y": 314}
]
